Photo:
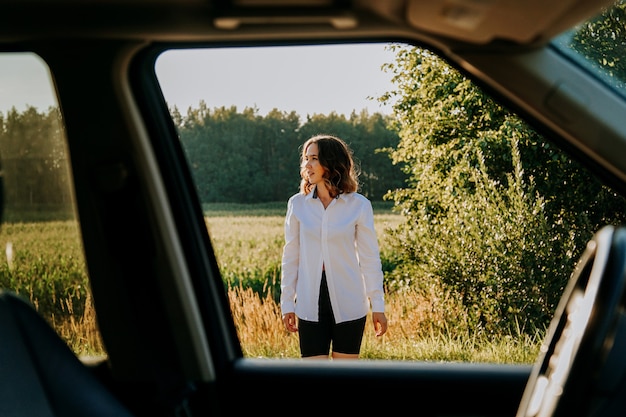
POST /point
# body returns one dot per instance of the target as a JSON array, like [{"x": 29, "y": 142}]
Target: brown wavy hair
[{"x": 341, "y": 175}]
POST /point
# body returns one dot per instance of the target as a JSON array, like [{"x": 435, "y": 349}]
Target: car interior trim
[
  {"x": 555, "y": 84},
  {"x": 194, "y": 339}
]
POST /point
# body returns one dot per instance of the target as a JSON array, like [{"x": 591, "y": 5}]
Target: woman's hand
[
  {"x": 380, "y": 323},
  {"x": 289, "y": 320}
]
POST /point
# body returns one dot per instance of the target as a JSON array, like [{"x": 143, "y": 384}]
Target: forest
[{"x": 243, "y": 157}]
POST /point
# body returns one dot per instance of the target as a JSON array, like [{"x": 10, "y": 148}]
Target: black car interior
[
  {"x": 174, "y": 353},
  {"x": 47, "y": 379}
]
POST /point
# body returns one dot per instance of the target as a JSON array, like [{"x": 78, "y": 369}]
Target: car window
[
  {"x": 478, "y": 216},
  {"x": 42, "y": 254},
  {"x": 596, "y": 45}
]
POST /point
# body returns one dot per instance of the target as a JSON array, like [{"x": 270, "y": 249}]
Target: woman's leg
[
  {"x": 316, "y": 357},
  {"x": 347, "y": 338},
  {"x": 338, "y": 355},
  {"x": 315, "y": 337}
]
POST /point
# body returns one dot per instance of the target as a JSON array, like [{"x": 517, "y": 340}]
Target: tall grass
[
  {"x": 424, "y": 324},
  {"x": 43, "y": 262},
  {"x": 417, "y": 331},
  {"x": 47, "y": 268}
]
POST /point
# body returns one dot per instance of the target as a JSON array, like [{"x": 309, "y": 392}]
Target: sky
[
  {"x": 306, "y": 79},
  {"x": 24, "y": 81}
]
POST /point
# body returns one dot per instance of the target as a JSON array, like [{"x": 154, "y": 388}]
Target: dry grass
[
  {"x": 81, "y": 334},
  {"x": 260, "y": 329},
  {"x": 423, "y": 325},
  {"x": 43, "y": 262},
  {"x": 259, "y": 326},
  {"x": 418, "y": 330}
]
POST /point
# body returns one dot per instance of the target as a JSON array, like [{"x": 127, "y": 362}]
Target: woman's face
[{"x": 313, "y": 169}]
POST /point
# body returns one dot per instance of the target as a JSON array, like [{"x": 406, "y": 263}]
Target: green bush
[
  {"x": 494, "y": 211},
  {"x": 492, "y": 248}
]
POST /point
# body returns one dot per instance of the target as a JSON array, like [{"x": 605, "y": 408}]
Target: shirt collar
[{"x": 314, "y": 194}]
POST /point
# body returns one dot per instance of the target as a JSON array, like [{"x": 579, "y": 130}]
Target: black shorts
[{"x": 316, "y": 337}]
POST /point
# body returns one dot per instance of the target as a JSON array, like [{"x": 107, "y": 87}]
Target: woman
[{"x": 331, "y": 269}]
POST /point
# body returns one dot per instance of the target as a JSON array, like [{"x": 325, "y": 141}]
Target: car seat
[{"x": 40, "y": 375}]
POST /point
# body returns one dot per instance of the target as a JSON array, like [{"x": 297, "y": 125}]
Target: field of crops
[
  {"x": 248, "y": 249},
  {"x": 44, "y": 262}
]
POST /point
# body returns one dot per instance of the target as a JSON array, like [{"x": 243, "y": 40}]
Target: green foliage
[
  {"x": 242, "y": 157},
  {"x": 495, "y": 213},
  {"x": 46, "y": 267},
  {"x": 34, "y": 162},
  {"x": 264, "y": 281},
  {"x": 232, "y": 155},
  {"x": 459, "y": 347},
  {"x": 275, "y": 208},
  {"x": 602, "y": 42}
]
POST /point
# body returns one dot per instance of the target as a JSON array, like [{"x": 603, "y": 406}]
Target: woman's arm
[
  {"x": 290, "y": 260},
  {"x": 369, "y": 258}
]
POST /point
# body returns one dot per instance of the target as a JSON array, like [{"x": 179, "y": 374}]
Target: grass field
[
  {"x": 46, "y": 266},
  {"x": 251, "y": 247}
]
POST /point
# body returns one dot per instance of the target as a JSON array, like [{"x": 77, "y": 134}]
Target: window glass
[
  {"x": 477, "y": 216},
  {"x": 42, "y": 255},
  {"x": 598, "y": 46}
]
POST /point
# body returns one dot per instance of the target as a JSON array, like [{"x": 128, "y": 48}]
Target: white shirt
[{"x": 343, "y": 239}]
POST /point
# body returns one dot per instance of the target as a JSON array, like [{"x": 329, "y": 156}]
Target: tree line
[
  {"x": 34, "y": 160},
  {"x": 243, "y": 157},
  {"x": 234, "y": 156}
]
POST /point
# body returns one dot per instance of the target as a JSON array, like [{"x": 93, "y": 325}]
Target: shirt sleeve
[
  {"x": 290, "y": 260},
  {"x": 369, "y": 258}
]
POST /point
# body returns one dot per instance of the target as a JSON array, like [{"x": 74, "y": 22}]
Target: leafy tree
[
  {"x": 602, "y": 42},
  {"x": 34, "y": 156},
  {"x": 378, "y": 174},
  {"x": 279, "y": 149},
  {"x": 241, "y": 157},
  {"x": 493, "y": 212}
]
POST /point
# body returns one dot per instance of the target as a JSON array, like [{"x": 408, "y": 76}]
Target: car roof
[{"x": 444, "y": 22}]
